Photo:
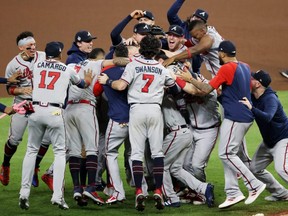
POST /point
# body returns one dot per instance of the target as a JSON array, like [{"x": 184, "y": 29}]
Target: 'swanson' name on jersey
[
  {"x": 51, "y": 65},
  {"x": 148, "y": 69}
]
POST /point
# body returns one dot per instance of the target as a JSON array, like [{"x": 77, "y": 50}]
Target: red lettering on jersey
[
  {"x": 77, "y": 68},
  {"x": 50, "y": 86},
  {"x": 150, "y": 78}
]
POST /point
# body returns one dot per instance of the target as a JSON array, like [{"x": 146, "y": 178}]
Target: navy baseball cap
[
  {"x": 84, "y": 36},
  {"x": 201, "y": 14},
  {"x": 53, "y": 49},
  {"x": 142, "y": 28},
  {"x": 147, "y": 14},
  {"x": 263, "y": 77},
  {"x": 176, "y": 30},
  {"x": 227, "y": 47}
]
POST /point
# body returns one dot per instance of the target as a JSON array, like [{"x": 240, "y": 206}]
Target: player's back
[
  {"x": 147, "y": 79},
  {"x": 50, "y": 81},
  {"x": 76, "y": 93}
]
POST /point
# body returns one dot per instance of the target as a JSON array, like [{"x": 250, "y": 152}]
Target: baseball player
[
  {"x": 174, "y": 19},
  {"x": 205, "y": 122},
  {"x": 175, "y": 146},
  {"x": 21, "y": 91},
  {"x": 146, "y": 79},
  {"x": 205, "y": 40},
  {"x": 81, "y": 47},
  {"x": 273, "y": 125},
  {"x": 117, "y": 129},
  {"x": 51, "y": 79},
  {"x": 234, "y": 76},
  {"x": 82, "y": 128}
]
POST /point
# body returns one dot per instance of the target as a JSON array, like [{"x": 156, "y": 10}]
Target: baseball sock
[
  {"x": 9, "y": 151},
  {"x": 42, "y": 151},
  {"x": 74, "y": 166},
  {"x": 137, "y": 167},
  {"x": 83, "y": 172},
  {"x": 158, "y": 171},
  {"x": 91, "y": 166}
]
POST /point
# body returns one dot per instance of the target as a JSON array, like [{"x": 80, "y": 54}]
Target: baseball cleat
[
  {"x": 24, "y": 203},
  {"x": 61, "y": 204},
  {"x": 231, "y": 201},
  {"x": 81, "y": 201},
  {"x": 109, "y": 190},
  {"x": 113, "y": 200},
  {"x": 253, "y": 195},
  {"x": 158, "y": 197},
  {"x": 48, "y": 179},
  {"x": 35, "y": 180},
  {"x": 174, "y": 204},
  {"x": 5, "y": 175},
  {"x": 92, "y": 194},
  {"x": 274, "y": 198},
  {"x": 139, "y": 202},
  {"x": 209, "y": 195},
  {"x": 199, "y": 199}
]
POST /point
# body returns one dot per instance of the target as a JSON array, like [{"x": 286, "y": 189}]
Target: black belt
[
  {"x": 213, "y": 126},
  {"x": 46, "y": 104},
  {"x": 176, "y": 128}
]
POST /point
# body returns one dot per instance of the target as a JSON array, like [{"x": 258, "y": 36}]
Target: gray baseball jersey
[
  {"x": 19, "y": 122},
  {"x": 80, "y": 114},
  {"x": 50, "y": 79},
  {"x": 175, "y": 147},
  {"x": 210, "y": 57}
]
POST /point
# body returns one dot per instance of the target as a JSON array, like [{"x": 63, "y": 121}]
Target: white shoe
[
  {"x": 109, "y": 190},
  {"x": 231, "y": 201},
  {"x": 274, "y": 198},
  {"x": 61, "y": 204},
  {"x": 253, "y": 195}
]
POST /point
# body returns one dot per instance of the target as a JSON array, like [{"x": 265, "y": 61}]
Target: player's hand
[
  {"x": 130, "y": 42},
  {"x": 168, "y": 61},
  {"x": 185, "y": 75},
  {"x": 25, "y": 90},
  {"x": 102, "y": 79},
  {"x": 137, "y": 14},
  {"x": 88, "y": 76},
  {"x": 14, "y": 77},
  {"x": 9, "y": 110},
  {"x": 246, "y": 102}
]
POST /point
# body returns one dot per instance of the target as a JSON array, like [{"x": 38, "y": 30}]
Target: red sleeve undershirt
[{"x": 225, "y": 75}]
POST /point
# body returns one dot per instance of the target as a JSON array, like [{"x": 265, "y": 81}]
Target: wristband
[
  {"x": 181, "y": 83},
  {"x": 109, "y": 82},
  {"x": 12, "y": 89},
  {"x": 189, "y": 53},
  {"x": 87, "y": 83}
]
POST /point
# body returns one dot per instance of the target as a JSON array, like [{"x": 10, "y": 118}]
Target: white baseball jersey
[
  {"x": 146, "y": 76},
  {"x": 76, "y": 93},
  {"x": 17, "y": 63},
  {"x": 210, "y": 57},
  {"x": 55, "y": 76}
]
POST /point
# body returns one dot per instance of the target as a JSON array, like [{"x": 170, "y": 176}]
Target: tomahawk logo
[
  {"x": 174, "y": 28},
  {"x": 202, "y": 13}
]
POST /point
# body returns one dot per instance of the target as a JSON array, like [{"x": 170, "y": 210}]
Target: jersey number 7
[
  {"x": 43, "y": 74},
  {"x": 149, "y": 78}
]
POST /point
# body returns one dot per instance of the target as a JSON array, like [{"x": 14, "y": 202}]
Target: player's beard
[{"x": 221, "y": 62}]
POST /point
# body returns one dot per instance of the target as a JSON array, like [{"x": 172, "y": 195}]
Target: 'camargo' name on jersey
[
  {"x": 51, "y": 65},
  {"x": 149, "y": 69}
]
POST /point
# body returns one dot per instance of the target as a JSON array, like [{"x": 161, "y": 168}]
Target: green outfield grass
[{"x": 40, "y": 197}]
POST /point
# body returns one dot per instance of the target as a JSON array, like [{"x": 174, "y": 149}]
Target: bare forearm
[{"x": 204, "y": 87}]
